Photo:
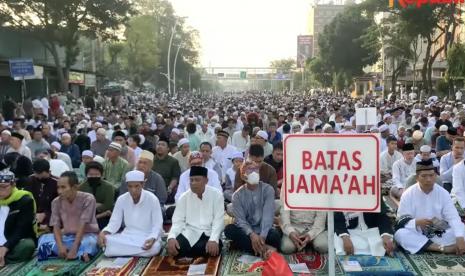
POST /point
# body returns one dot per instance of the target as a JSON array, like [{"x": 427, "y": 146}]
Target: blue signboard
[{"x": 20, "y": 68}]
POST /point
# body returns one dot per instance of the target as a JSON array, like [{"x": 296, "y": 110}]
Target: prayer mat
[
  {"x": 11, "y": 268},
  {"x": 433, "y": 264},
  {"x": 397, "y": 265},
  {"x": 52, "y": 267},
  {"x": 316, "y": 263},
  {"x": 169, "y": 266},
  {"x": 134, "y": 267}
]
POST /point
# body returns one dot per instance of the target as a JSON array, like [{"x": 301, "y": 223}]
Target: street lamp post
[
  {"x": 174, "y": 69},
  {"x": 173, "y": 31}
]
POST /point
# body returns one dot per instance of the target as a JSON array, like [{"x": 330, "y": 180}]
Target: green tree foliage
[
  {"x": 347, "y": 45},
  {"x": 62, "y": 22},
  {"x": 320, "y": 72},
  {"x": 456, "y": 61}
]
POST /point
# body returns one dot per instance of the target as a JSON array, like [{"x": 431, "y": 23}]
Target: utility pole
[{"x": 174, "y": 69}]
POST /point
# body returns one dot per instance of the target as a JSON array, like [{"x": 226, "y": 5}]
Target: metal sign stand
[{"x": 331, "y": 252}]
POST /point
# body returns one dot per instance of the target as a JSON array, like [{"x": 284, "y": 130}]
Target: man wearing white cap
[
  {"x": 387, "y": 118},
  {"x": 114, "y": 167},
  {"x": 416, "y": 116},
  {"x": 141, "y": 214},
  {"x": 384, "y": 131},
  {"x": 262, "y": 139},
  {"x": 100, "y": 145},
  {"x": 86, "y": 157},
  {"x": 4, "y": 143},
  {"x": 56, "y": 147},
  {"x": 154, "y": 182},
  {"x": 183, "y": 154}
]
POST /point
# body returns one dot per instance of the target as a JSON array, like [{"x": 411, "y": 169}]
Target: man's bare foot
[{"x": 85, "y": 258}]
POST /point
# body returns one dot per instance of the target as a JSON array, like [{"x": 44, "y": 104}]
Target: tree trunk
[
  {"x": 62, "y": 82},
  {"x": 424, "y": 70}
]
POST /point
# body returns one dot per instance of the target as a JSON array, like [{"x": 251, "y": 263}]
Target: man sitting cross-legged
[
  {"x": 427, "y": 219},
  {"x": 253, "y": 207},
  {"x": 198, "y": 220},
  {"x": 140, "y": 212},
  {"x": 74, "y": 224}
]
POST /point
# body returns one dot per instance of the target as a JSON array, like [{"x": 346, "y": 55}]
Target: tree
[
  {"x": 320, "y": 71},
  {"x": 60, "y": 23},
  {"x": 456, "y": 63},
  {"x": 347, "y": 45}
]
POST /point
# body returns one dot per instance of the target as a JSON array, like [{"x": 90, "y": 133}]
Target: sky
[{"x": 245, "y": 33}]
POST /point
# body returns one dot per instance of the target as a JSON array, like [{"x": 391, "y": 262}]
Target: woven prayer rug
[
  {"x": 52, "y": 267},
  {"x": 397, "y": 265},
  {"x": 170, "y": 266},
  {"x": 433, "y": 264},
  {"x": 316, "y": 263},
  {"x": 133, "y": 268},
  {"x": 11, "y": 268}
]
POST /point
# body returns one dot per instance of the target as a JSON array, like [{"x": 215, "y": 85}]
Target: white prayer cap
[
  {"x": 101, "y": 131},
  {"x": 387, "y": 115},
  {"x": 443, "y": 128},
  {"x": 263, "y": 135},
  {"x": 142, "y": 139},
  {"x": 145, "y": 154},
  {"x": 98, "y": 124},
  {"x": 88, "y": 153},
  {"x": 65, "y": 135},
  {"x": 383, "y": 128},
  {"x": 425, "y": 148},
  {"x": 417, "y": 111},
  {"x": 115, "y": 146},
  {"x": 237, "y": 155},
  {"x": 176, "y": 131},
  {"x": 7, "y": 132},
  {"x": 182, "y": 142},
  {"x": 99, "y": 159},
  {"x": 56, "y": 145},
  {"x": 417, "y": 135},
  {"x": 5, "y": 123},
  {"x": 135, "y": 176}
]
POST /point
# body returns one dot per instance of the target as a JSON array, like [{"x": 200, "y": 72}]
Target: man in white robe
[
  {"x": 389, "y": 156},
  {"x": 402, "y": 169},
  {"x": 196, "y": 159},
  {"x": 427, "y": 219},
  {"x": 198, "y": 220},
  {"x": 141, "y": 214}
]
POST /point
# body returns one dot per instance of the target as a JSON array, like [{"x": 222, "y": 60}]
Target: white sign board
[
  {"x": 332, "y": 172},
  {"x": 366, "y": 116}
]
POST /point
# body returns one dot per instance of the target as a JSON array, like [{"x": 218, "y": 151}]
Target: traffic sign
[
  {"x": 21, "y": 68},
  {"x": 332, "y": 172},
  {"x": 243, "y": 75}
]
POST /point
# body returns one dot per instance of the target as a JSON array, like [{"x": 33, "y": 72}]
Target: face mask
[
  {"x": 253, "y": 178},
  {"x": 93, "y": 180}
]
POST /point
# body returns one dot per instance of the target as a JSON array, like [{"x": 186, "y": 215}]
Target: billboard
[{"x": 304, "y": 49}]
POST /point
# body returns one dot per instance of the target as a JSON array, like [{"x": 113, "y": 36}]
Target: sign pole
[
  {"x": 331, "y": 251},
  {"x": 23, "y": 90}
]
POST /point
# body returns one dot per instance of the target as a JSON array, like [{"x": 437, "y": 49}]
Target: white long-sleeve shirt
[
  {"x": 388, "y": 160},
  {"x": 458, "y": 183},
  {"x": 222, "y": 156},
  {"x": 185, "y": 183},
  {"x": 194, "y": 216},
  {"x": 446, "y": 165},
  {"x": 238, "y": 141},
  {"x": 401, "y": 171},
  {"x": 437, "y": 203},
  {"x": 141, "y": 219}
]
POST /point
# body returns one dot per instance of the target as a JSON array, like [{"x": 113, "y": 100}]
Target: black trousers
[
  {"x": 447, "y": 186},
  {"x": 199, "y": 248},
  {"x": 243, "y": 241}
]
